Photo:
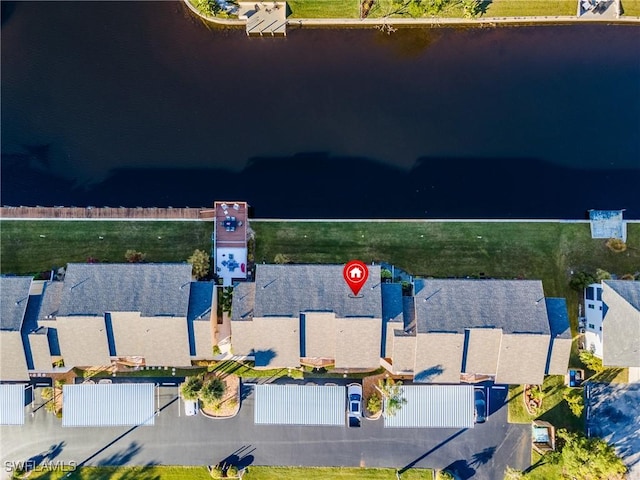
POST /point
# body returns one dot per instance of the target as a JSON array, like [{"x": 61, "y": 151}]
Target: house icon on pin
[{"x": 355, "y": 273}]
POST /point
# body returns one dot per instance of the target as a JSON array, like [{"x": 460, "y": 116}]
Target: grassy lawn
[
  {"x": 24, "y": 251},
  {"x": 541, "y": 469},
  {"x": 494, "y": 8},
  {"x": 330, "y": 473},
  {"x": 126, "y": 473},
  {"x": 545, "y": 251},
  {"x": 555, "y": 409},
  {"x": 526, "y": 8},
  {"x": 253, "y": 473},
  {"x": 324, "y": 8},
  {"x": 631, "y": 7}
]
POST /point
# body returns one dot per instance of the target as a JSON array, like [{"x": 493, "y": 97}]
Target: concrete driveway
[{"x": 478, "y": 453}]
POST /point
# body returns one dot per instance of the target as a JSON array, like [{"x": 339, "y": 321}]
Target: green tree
[
  {"x": 574, "y": 399},
  {"x": 602, "y": 275},
  {"x": 585, "y": 458},
  {"x": 200, "y": 260},
  {"x": 191, "y": 388},
  {"x": 374, "y": 404},
  {"x": 385, "y": 274},
  {"x": 213, "y": 390},
  {"x": 133, "y": 256},
  {"x": 392, "y": 393},
  {"x": 590, "y": 361},
  {"x": 208, "y": 7},
  {"x": 580, "y": 280},
  {"x": 226, "y": 299}
]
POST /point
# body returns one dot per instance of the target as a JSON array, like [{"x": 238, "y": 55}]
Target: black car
[{"x": 480, "y": 402}]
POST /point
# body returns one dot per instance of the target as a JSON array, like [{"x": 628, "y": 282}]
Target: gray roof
[
  {"x": 14, "y": 293},
  {"x": 621, "y": 324},
  {"x": 154, "y": 289},
  {"x": 287, "y": 290},
  {"x": 515, "y": 306},
  {"x": 392, "y": 302},
  {"x": 244, "y": 300},
  {"x": 561, "y": 339},
  {"x": 51, "y": 297},
  {"x": 627, "y": 289},
  {"x": 200, "y": 300},
  {"x": 558, "y": 317}
]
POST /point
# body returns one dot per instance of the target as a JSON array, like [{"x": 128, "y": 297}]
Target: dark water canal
[{"x": 138, "y": 103}]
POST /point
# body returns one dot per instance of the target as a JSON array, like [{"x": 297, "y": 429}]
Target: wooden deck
[
  {"x": 237, "y": 237},
  {"x": 107, "y": 213}
]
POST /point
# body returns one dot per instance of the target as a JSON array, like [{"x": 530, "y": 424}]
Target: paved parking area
[
  {"x": 479, "y": 453},
  {"x": 613, "y": 413}
]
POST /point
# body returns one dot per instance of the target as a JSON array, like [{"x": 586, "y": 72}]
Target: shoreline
[
  {"x": 197, "y": 214},
  {"x": 426, "y": 22}
]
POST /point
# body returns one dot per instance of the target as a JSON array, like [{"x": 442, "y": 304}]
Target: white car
[
  {"x": 190, "y": 407},
  {"x": 354, "y": 399}
]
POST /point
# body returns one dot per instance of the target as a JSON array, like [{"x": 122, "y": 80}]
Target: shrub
[
  {"x": 374, "y": 404},
  {"x": 592, "y": 362},
  {"x": 580, "y": 280},
  {"x": 213, "y": 390},
  {"x": 216, "y": 472},
  {"x": 200, "y": 262},
  {"x": 574, "y": 400},
  {"x": 191, "y": 388},
  {"x": 445, "y": 475},
  {"x": 616, "y": 245},
  {"x": 232, "y": 471},
  {"x": 133, "y": 256}
]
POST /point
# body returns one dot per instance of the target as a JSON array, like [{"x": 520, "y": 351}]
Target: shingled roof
[
  {"x": 51, "y": 297},
  {"x": 628, "y": 290},
  {"x": 154, "y": 289},
  {"x": 13, "y": 302},
  {"x": 621, "y": 339},
  {"x": 515, "y": 306},
  {"x": 287, "y": 290}
]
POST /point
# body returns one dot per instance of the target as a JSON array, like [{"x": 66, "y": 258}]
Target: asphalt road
[{"x": 479, "y": 453}]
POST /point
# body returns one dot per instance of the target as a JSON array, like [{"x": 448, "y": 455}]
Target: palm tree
[
  {"x": 213, "y": 390},
  {"x": 392, "y": 393},
  {"x": 191, "y": 388}
]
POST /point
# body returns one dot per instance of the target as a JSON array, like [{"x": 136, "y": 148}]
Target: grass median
[{"x": 253, "y": 473}]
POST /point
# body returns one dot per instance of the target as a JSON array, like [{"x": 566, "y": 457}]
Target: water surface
[{"x": 141, "y": 104}]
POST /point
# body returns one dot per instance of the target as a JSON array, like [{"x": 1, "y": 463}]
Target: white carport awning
[
  {"x": 12, "y": 404},
  {"x": 108, "y": 405},
  {"x": 300, "y": 405},
  {"x": 435, "y": 406}
]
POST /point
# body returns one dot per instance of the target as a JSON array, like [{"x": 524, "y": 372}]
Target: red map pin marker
[{"x": 355, "y": 274}]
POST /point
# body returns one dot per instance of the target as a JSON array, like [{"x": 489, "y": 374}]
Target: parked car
[
  {"x": 480, "y": 402},
  {"x": 354, "y": 397},
  {"x": 190, "y": 407}
]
